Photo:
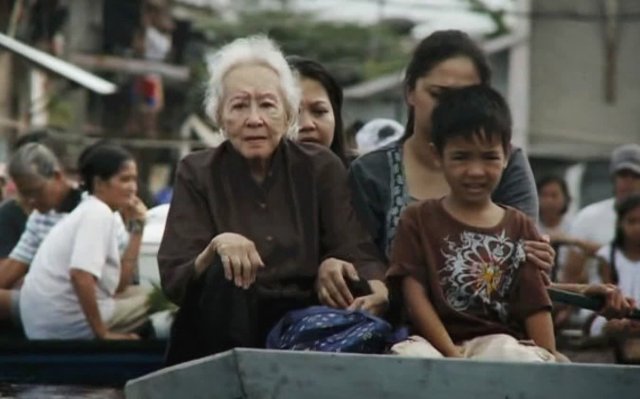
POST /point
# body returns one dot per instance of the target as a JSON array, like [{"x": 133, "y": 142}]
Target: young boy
[{"x": 467, "y": 286}]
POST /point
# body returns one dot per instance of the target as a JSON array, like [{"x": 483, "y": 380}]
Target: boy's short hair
[{"x": 467, "y": 111}]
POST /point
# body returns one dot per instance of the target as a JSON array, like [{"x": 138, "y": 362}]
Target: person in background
[
  {"x": 620, "y": 262},
  {"x": 596, "y": 222},
  {"x": 377, "y": 133},
  {"x": 554, "y": 202},
  {"x": 251, "y": 220},
  {"x": 320, "y": 119},
  {"x": 79, "y": 283},
  {"x": 44, "y": 187},
  {"x": 14, "y": 211},
  {"x": 470, "y": 292},
  {"x": 350, "y": 133},
  {"x": 383, "y": 182}
]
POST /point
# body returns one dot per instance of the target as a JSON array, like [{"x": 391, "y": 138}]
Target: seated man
[{"x": 45, "y": 188}]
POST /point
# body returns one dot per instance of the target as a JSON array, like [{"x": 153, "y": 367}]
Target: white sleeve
[
  {"x": 597, "y": 327},
  {"x": 92, "y": 240},
  {"x": 603, "y": 252},
  {"x": 580, "y": 226},
  {"x": 121, "y": 233}
]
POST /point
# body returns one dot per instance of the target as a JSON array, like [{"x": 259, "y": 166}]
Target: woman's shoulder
[
  {"x": 377, "y": 156},
  {"x": 313, "y": 154},
  {"x": 519, "y": 221},
  {"x": 91, "y": 205},
  {"x": 428, "y": 208},
  {"x": 200, "y": 158},
  {"x": 376, "y": 162}
]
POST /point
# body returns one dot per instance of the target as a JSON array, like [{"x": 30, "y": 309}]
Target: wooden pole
[{"x": 612, "y": 25}]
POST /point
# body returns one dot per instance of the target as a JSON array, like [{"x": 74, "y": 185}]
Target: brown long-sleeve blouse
[{"x": 300, "y": 215}]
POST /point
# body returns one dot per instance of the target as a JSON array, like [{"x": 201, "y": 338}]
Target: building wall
[{"x": 570, "y": 118}]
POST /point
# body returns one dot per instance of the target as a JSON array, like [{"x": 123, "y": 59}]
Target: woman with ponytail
[
  {"x": 79, "y": 284},
  {"x": 385, "y": 181}
]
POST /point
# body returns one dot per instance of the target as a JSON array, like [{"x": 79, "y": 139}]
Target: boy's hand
[
  {"x": 455, "y": 352},
  {"x": 560, "y": 358},
  {"x": 331, "y": 285},
  {"x": 375, "y": 303}
]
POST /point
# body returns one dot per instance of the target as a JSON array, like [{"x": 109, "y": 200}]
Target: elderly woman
[{"x": 252, "y": 220}]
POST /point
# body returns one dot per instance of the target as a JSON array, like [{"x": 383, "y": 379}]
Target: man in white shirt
[
  {"x": 43, "y": 184},
  {"x": 596, "y": 222}
]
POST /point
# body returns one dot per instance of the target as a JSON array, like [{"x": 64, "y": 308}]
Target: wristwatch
[{"x": 135, "y": 226}]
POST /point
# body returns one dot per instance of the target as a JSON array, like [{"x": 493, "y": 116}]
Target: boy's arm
[
  {"x": 425, "y": 319},
  {"x": 539, "y": 328}
]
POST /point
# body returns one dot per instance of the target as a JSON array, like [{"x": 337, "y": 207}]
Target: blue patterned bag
[{"x": 320, "y": 328}]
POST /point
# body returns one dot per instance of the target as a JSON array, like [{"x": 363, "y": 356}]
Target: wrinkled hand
[
  {"x": 616, "y": 305},
  {"x": 376, "y": 303},
  {"x": 541, "y": 254},
  {"x": 240, "y": 258},
  {"x": 331, "y": 284},
  {"x": 134, "y": 210},
  {"x": 115, "y": 336}
]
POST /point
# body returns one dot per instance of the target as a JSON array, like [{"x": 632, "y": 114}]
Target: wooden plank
[
  {"x": 210, "y": 377},
  {"x": 111, "y": 63},
  {"x": 58, "y": 66},
  {"x": 313, "y": 375}
]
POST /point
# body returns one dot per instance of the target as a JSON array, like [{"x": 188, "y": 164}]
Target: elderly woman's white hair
[{"x": 252, "y": 50}]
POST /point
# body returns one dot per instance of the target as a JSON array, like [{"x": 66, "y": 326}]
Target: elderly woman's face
[{"x": 252, "y": 111}]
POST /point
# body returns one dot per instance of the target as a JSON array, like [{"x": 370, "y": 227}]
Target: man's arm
[
  {"x": 574, "y": 271},
  {"x": 11, "y": 273}
]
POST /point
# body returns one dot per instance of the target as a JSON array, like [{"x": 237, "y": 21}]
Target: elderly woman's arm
[
  {"x": 187, "y": 236},
  {"x": 347, "y": 247},
  {"x": 191, "y": 240}
]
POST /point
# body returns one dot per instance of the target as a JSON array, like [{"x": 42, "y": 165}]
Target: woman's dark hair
[
  {"x": 547, "y": 180},
  {"x": 103, "y": 160},
  {"x": 313, "y": 70},
  {"x": 468, "y": 111},
  {"x": 627, "y": 205},
  {"x": 436, "y": 48}
]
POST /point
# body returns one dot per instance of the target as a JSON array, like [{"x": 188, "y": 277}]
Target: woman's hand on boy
[
  {"x": 541, "y": 254},
  {"x": 331, "y": 285}
]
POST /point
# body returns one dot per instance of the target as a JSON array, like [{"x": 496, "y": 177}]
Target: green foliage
[
  {"x": 60, "y": 112},
  {"x": 158, "y": 301},
  {"x": 352, "y": 52},
  {"x": 497, "y": 15}
]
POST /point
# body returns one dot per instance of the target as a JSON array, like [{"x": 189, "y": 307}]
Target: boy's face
[{"x": 473, "y": 166}]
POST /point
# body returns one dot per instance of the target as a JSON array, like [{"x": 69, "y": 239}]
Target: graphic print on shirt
[{"x": 478, "y": 272}]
